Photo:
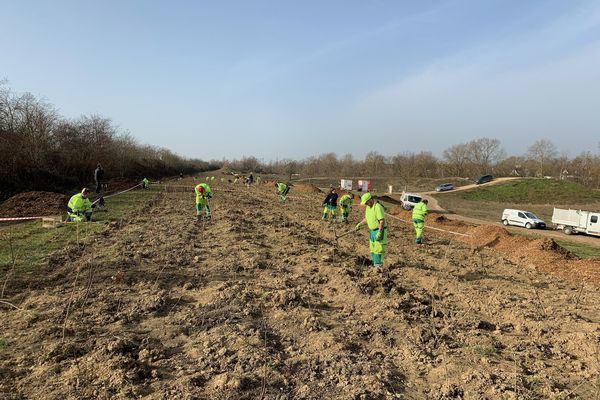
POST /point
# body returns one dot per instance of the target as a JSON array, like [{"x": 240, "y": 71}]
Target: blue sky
[{"x": 291, "y": 79}]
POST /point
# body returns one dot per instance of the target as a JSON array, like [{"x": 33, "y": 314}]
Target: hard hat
[{"x": 364, "y": 198}]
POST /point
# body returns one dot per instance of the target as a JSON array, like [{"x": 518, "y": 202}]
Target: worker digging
[
  {"x": 203, "y": 194},
  {"x": 378, "y": 231}
]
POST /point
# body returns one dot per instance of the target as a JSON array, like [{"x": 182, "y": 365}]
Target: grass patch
[
  {"x": 3, "y": 343},
  {"x": 531, "y": 191},
  {"x": 580, "y": 249},
  {"x": 29, "y": 244}
]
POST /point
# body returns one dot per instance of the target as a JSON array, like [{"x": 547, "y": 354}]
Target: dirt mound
[
  {"x": 487, "y": 235},
  {"x": 306, "y": 188},
  {"x": 34, "y": 204},
  {"x": 388, "y": 199}
]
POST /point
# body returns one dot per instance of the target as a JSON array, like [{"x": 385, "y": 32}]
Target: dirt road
[
  {"x": 262, "y": 302},
  {"x": 474, "y": 185}
]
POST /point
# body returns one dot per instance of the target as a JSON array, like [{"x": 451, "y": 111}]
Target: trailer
[{"x": 576, "y": 221}]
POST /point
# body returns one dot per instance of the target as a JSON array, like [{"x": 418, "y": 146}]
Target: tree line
[
  {"x": 41, "y": 150},
  {"x": 467, "y": 160}
]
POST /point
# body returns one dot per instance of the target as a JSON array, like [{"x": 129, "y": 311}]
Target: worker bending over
[
  {"x": 345, "y": 205},
  {"x": 375, "y": 220},
  {"x": 330, "y": 205},
  {"x": 80, "y": 207},
  {"x": 282, "y": 190},
  {"x": 418, "y": 217},
  {"x": 203, "y": 193}
]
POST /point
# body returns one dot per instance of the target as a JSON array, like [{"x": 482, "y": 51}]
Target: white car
[
  {"x": 410, "y": 200},
  {"x": 522, "y": 218}
]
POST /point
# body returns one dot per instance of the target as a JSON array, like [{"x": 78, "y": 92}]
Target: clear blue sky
[{"x": 291, "y": 79}]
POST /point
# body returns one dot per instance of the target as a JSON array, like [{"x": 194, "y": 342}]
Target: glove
[
  {"x": 379, "y": 236},
  {"x": 358, "y": 226}
]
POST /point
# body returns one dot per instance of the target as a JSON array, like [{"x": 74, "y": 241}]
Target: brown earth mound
[
  {"x": 306, "y": 188},
  {"x": 34, "y": 204}
]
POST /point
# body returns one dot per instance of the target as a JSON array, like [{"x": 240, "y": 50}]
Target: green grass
[
  {"x": 29, "y": 244},
  {"x": 3, "y": 343},
  {"x": 539, "y": 196},
  {"x": 531, "y": 191},
  {"x": 581, "y": 250}
]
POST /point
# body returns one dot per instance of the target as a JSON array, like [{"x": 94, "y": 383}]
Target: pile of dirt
[
  {"x": 34, "y": 204},
  {"x": 306, "y": 188},
  {"x": 487, "y": 235},
  {"x": 543, "y": 254},
  {"x": 390, "y": 200}
]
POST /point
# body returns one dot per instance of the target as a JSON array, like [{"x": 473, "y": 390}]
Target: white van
[
  {"x": 410, "y": 200},
  {"x": 522, "y": 218}
]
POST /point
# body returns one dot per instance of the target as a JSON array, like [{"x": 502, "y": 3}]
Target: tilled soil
[{"x": 263, "y": 302}]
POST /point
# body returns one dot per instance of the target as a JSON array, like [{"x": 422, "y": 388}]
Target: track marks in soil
[{"x": 262, "y": 301}]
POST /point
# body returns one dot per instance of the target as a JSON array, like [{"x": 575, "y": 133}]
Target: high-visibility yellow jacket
[
  {"x": 420, "y": 211},
  {"x": 79, "y": 204},
  {"x": 206, "y": 193}
]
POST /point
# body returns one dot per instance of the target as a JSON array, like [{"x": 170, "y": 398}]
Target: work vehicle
[
  {"x": 522, "y": 218},
  {"x": 410, "y": 200},
  {"x": 576, "y": 221},
  {"x": 443, "y": 187},
  {"x": 484, "y": 179}
]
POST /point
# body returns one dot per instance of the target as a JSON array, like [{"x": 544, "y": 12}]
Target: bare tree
[
  {"x": 542, "y": 151},
  {"x": 484, "y": 152},
  {"x": 457, "y": 159}
]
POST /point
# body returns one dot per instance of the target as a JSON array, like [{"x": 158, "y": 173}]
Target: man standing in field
[
  {"x": 345, "y": 204},
  {"x": 98, "y": 177},
  {"x": 282, "y": 190},
  {"x": 203, "y": 193},
  {"x": 418, "y": 217},
  {"x": 330, "y": 205},
  {"x": 375, "y": 220},
  {"x": 145, "y": 183}
]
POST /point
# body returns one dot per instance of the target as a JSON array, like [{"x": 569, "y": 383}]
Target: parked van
[
  {"x": 522, "y": 218},
  {"x": 484, "y": 179},
  {"x": 410, "y": 200}
]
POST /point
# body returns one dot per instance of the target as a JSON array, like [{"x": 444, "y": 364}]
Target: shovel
[{"x": 344, "y": 234}]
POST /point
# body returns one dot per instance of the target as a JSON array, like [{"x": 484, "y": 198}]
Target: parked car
[
  {"x": 409, "y": 200},
  {"x": 443, "y": 187},
  {"x": 484, "y": 179},
  {"x": 522, "y": 218}
]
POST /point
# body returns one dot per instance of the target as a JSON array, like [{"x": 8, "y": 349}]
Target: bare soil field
[{"x": 264, "y": 302}]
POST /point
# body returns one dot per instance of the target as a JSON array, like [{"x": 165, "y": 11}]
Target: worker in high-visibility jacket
[
  {"x": 378, "y": 231},
  {"x": 282, "y": 190},
  {"x": 345, "y": 204},
  {"x": 80, "y": 207},
  {"x": 145, "y": 183},
  {"x": 203, "y": 194},
  {"x": 418, "y": 217},
  {"x": 330, "y": 205}
]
